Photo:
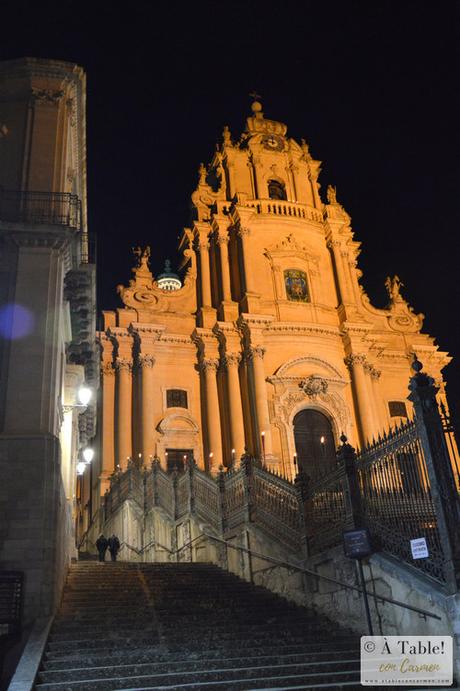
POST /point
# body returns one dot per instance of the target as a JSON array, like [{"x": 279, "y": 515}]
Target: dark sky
[{"x": 372, "y": 86}]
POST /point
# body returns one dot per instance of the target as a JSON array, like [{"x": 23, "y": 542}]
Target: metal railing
[
  {"x": 403, "y": 486},
  {"x": 49, "y": 208},
  {"x": 11, "y": 602}
]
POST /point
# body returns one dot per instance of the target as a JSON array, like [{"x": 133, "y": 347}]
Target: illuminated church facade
[{"x": 271, "y": 343}]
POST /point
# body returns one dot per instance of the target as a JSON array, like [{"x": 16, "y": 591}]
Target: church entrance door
[
  {"x": 177, "y": 459},
  {"x": 314, "y": 443}
]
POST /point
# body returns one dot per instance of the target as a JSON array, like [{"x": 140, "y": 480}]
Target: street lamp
[
  {"x": 88, "y": 454},
  {"x": 84, "y": 395},
  {"x": 81, "y": 465}
]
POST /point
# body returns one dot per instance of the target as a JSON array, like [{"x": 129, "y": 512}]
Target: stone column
[
  {"x": 224, "y": 267},
  {"x": 256, "y": 354},
  {"x": 205, "y": 272},
  {"x": 355, "y": 363},
  {"x": 108, "y": 427},
  {"x": 146, "y": 363},
  {"x": 124, "y": 411},
  {"x": 214, "y": 437},
  {"x": 248, "y": 276},
  {"x": 232, "y": 361}
]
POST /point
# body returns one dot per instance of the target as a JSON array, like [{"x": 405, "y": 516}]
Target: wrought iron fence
[
  {"x": 50, "y": 208},
  {"x": 397, "y": 504}
]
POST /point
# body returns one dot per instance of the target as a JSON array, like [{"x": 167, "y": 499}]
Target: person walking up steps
[
  {"x": 101, "y": 546},
  {"x": 114, "y": 546}
]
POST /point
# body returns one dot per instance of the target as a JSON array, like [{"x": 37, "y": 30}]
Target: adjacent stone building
[
  {"x": 271, "y": 343},
  {"x": 47, "y": 321}
]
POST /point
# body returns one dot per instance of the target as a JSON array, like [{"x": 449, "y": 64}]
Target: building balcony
[
  {"x": 44, "y": 208},
  {"x": 276, "y": 207}
]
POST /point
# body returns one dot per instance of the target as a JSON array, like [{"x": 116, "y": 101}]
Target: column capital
[
  {"x": 253, "y": 352},
  {"x": 243, "y": 232},
  {"x": 232, "y": 359},
  {"x": 373, "y": 372},
  {"x": 222, "y": 238},
  {"x": 146, "y": 360},
  {"x": 355, "y": 359},
  {"x": 209, "y": 365},
  {"x": 123, "y": 364},
  {"x": 107, "y": 369}
]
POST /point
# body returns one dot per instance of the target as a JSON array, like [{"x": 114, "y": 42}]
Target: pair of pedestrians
[{"x": 113, "y": 545}]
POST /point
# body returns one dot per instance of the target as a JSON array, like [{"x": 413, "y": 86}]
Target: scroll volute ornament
[{"x": 144, "y": 295}]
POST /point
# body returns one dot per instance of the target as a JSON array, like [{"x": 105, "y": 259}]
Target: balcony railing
[{"x": 44, "y": 208}]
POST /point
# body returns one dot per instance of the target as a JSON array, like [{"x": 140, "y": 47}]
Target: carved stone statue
[
  {"x": 227, "y": 137},
  {"x": 393, "y": 286},
  {"x": 143, "y": 257},
  {"x": 331, "y": 194}
]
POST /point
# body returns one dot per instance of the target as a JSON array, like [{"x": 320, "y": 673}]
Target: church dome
[{"x": 168, "y": 280}]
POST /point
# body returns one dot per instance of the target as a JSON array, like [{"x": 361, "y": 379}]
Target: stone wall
[{"x": 36, "y": 534}]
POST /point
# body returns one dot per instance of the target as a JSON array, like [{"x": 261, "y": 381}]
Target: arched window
[
  {"x": 276, "y": 190},
  {"x": 314, "y": 443}
]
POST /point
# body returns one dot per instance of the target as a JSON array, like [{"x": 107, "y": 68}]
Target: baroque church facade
[{"x": 271, "y": 344}]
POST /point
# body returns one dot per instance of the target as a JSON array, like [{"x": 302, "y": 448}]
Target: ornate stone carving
[
  {"x": 355, "y": 359},
  {"x": 209, "y": 365},
  {"x": 232, "y": 359},
  {"x": 255, "y": 352},
  {"x": 107, "y": 369},
  {"x": 146, "y": 360},
  {"x": 47, "y": 96},
  {"x": 123, "y": 364},
  {"x": 243, "y": 232},
  {"x": 222, "y": 239},
  {"x": 144, "y": 294},
  {"x": 314, "y": 386},
  {"x": 372, "y": 371}
]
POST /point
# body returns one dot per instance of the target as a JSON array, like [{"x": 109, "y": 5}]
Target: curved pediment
[
  {"x": 306, "y": 365},
  {"x": 177, "y": 422}
]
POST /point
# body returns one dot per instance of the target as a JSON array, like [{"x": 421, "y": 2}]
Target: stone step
[
  {"x": 165, "y": 662},
  {"x": 191, "y": 670},
  {"x": 176, "y": 652},
  {"x": 311, "y": 672}
]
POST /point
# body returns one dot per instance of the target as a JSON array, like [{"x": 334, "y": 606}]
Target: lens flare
[{"x": 16, "y": 321}]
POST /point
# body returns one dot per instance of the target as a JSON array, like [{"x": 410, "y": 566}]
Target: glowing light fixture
[
  {"x": 88, "y": 454},
  {"x": 84, "y": 395},
  {"x": 81, "y": 465}
]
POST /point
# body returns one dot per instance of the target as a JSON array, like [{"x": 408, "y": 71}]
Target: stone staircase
[{"x": 188, "y": 626}]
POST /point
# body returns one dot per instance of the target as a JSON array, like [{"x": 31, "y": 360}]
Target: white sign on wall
[{"x": 419, "y": 548}]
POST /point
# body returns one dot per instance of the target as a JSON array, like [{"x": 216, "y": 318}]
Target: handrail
[
  {"x": 288, "y": 565},
  {"x": 85, "y": 534}
]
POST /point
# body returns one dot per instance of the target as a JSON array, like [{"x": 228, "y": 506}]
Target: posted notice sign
[
  {"x": 419, "y": 548},
  {"x": 357, "y": 543}
]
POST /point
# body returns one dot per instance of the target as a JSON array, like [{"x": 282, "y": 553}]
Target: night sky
[{"x": 372, "y": 86}]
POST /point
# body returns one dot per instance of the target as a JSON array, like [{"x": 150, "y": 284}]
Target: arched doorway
[{"x": 314, "y": 443}]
